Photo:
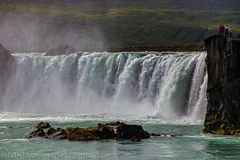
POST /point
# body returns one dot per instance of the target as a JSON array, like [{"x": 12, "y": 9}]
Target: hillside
[{"x": 103, "y": 25}]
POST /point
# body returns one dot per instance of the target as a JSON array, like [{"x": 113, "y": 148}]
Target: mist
[
  {"x": 102, "y": 83},
  {"x": 25, "y": 32},
  {"x": 108, "y": 25}
]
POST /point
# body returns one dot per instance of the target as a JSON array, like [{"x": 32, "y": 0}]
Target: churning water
[
  {"x": 165, "y": 93},
  {"x": 156, "y": 85}
]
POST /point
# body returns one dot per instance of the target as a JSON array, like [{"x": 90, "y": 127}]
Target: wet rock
[
  {"x": 223, "y": 65},
  {"x": 162, "y": 135},
  {"x": 58, "y": 134},
  {"x": 155, "y": 134},
  {"x": 50, "y": 131},
  {"x": 82, "y": 134},
  {"x": 170, "y": 135},
  {"x": 135, "y": 139},
  {"x": 125, "y": 131},
  {"x": 106, "y": 131},
  {"x": 61, "y": 51},
  {"x": 121, "y": 130},
  {"x": 43, "y": 125},
  {"x": 36, "y": 133},
  {"x": 5, "y": 57},
  {"x": 113, "y": 130}
]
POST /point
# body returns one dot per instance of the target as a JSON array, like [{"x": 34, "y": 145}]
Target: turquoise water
[{"x": 188, "y": 144}]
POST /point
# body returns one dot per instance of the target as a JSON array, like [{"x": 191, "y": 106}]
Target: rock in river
[
  {"x": 113, "y": 130},
  {"x": 43, "y": 125}
]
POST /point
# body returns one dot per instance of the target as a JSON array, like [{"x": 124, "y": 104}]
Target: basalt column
[{"x": 223, "y": 65}]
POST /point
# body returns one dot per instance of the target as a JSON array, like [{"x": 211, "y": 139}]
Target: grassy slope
[{"x": 131, "y": 22}]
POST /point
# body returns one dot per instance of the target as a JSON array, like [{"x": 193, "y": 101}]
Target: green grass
[{"x": 136, "y": 23}]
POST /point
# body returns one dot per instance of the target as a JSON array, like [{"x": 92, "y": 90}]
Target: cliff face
[
  {"x": 7, "y": 67},
  {"x": 223, "y": 65}
]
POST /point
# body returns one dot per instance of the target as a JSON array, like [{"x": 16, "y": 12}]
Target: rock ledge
[{"x": 223, "y": 65}]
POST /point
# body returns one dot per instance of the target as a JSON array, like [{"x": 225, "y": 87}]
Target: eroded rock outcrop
[
  {"x": 223, "y": 65},
  {"x": 7, "y": 67},
  {"x": 43, "y": 125},
  {"x": 113, "y": 130}
]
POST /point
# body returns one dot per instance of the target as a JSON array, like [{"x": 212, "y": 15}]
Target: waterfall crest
[{"x": 166, "y": 86}]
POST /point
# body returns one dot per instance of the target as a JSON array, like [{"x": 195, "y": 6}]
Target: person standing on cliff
[
  {"x": 221, "y": 29},
  {"x": 230, "y": 32},
  {"x": 226, "y": 32}
]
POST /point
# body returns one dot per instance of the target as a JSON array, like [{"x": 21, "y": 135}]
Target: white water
[{"x": 164, "y": 87}]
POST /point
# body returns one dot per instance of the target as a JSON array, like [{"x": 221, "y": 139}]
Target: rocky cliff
[
  {"x": 223, "y": 65},
  {"x": 7, "y": 67}
]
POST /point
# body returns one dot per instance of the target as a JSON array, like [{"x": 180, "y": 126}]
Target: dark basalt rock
[
  {"x": 7, "y": 68},
  {"x": 106, "y": 131},
  {"x": 135, "y": 139},
  {"x": 114, "y": 130},
  {"x": 50, "y": 131},
  {"x": 58, "y": 134},
  {"x": 125, "y": 131},
  {"x": 36, "y": 133},
  {"x": 223, "y": 65},
  {"x": 162, "y": 135},
  {"x": 60, "y": 51},
  {"x": 82, "y": 134},
  {"x": 155, "y": 134},
  {"x": 5, "y": 55},
  {"x": 43, "y": 125}
]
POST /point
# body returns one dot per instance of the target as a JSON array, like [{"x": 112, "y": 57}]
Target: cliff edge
[
  {"x": 223, "y": 65},
  {"x": 7, "y": 67}
]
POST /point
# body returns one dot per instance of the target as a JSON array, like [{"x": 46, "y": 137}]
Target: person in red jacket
[{"x": 221, "y": 29}]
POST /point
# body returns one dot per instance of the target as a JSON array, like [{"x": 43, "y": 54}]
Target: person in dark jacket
[
  {"x": 230, "y": 32},
  {"x": 226, "y": 32}
]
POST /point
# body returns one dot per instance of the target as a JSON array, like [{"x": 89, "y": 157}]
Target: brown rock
[
  {"x": 50, "y": 131},
  {"x": 58, "y": 134},
  {"x": 155, "y": 134},
  {"x": 113, "y": 130},
  {"x": 36, "y": 133},
  {"x": 43, "y": 125},
  {"x": 82, "y": 134}
]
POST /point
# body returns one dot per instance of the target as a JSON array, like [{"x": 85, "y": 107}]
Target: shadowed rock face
[
  {"x": 223, "y": 64},
  {"x": 7, "y": 68}
]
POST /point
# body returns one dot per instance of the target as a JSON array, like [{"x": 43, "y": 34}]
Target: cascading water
[{"x": 164, "y": 86}]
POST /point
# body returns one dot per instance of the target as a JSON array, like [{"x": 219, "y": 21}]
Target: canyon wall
[{"x": 223, "y": 65}]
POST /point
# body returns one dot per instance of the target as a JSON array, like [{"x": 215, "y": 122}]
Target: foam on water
[
  {"x": 3, "y": 127},
  {"x": 4, "y": 141},
  {"x": 65, "y": 118},
  {"x": 142, "y": 86}
]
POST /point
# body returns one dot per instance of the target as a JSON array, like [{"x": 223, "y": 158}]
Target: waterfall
[{"x": 165, "y": 86}]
